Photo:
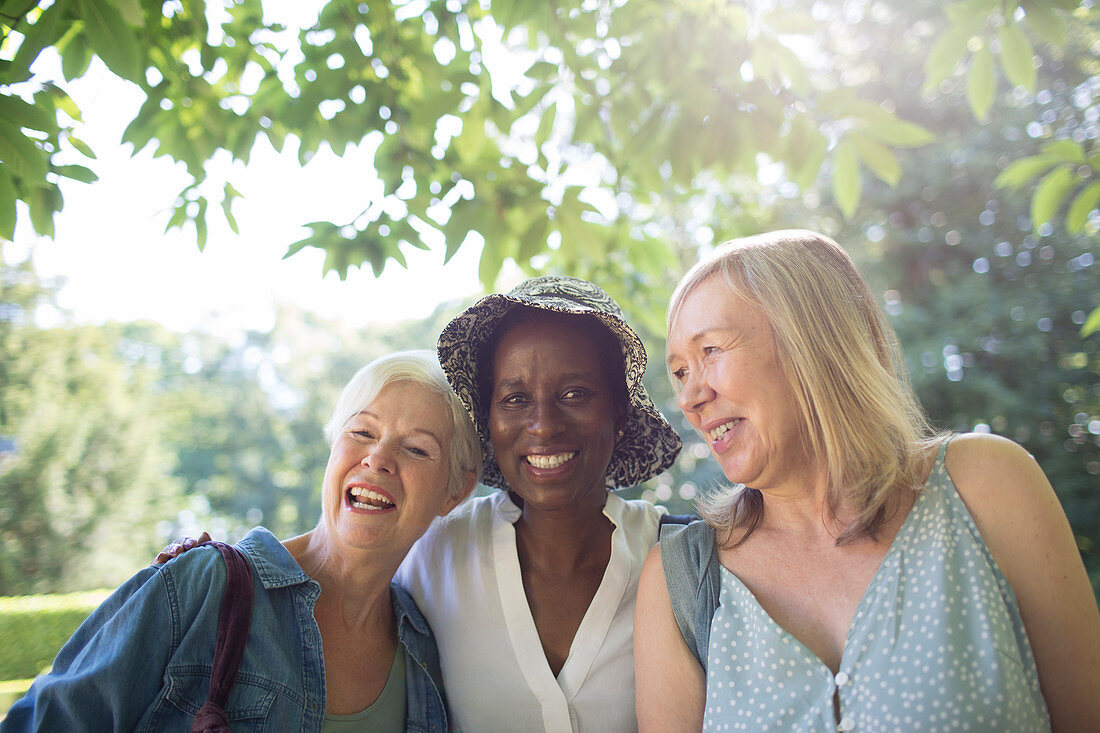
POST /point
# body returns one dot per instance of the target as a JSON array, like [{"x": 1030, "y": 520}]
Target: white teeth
[
  {"x": 721, "y": 430},
  {"x": 380, "y": 501},
  {"x": 550, "y": 461}
]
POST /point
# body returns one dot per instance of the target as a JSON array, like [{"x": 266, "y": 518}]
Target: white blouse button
[
  {"x": 841, "y": 679},
  {"x": 846, "y": 724}
]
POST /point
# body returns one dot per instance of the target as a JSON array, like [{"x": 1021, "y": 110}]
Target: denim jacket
[{"x": 141, "y": 661}]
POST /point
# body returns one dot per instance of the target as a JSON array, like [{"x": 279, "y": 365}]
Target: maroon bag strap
[{"x": 233, "y": 623}]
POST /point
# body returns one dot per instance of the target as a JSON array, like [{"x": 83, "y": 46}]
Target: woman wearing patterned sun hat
[{"x": 530, "y": 591}]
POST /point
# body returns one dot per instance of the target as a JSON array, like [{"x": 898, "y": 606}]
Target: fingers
[
  {"x": 167, "y": 554},
  {"x": 180, "y": 546}
]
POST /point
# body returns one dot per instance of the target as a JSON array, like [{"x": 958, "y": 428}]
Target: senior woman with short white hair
[{"x": 333, "y": 644}]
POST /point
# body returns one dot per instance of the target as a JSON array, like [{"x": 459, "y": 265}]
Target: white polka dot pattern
[{"x": 936, "y": 644}]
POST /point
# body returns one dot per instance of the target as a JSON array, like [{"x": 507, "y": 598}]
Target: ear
[
  {"x": 468, "y": 484},
  {"x": 621, "y": 421}
]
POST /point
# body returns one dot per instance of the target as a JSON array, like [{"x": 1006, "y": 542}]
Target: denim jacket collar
[{"x": 271, "y": 561}]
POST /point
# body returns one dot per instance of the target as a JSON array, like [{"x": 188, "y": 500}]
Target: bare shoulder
[
  {"x": 1011, "y": 500},
  {"x": 997, "y": 479},
  {"x": 981, "y": 459}
]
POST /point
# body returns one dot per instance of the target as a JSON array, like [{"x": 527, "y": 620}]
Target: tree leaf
[
  {"x": 969, "y": 12},
  {"x": 879, "y": 158},
  {"x": 1092, "y": 323},
  {"x": 21, "y": 156},
  {"x": 228, "y": 196},
  {"x": 43, "y": 203},
  {"x": 492, "y": 259},
  {"x": 1017, "y": 56},
  {"x": 945, "y": 56},
  {"x": 200, "y": 223},
  {"x": 1022, "y": 171},
  {"x": 17, "y": 112},
  {"x": 7, "y": 205},
  {"x": 112, "y": 39},
  {"x": 891, "y": 131},
  {"x": 1045, "y": 23},
  {"x": 1050, "y": 193},
  {"x": 980, "y": 84},
  {"x": 179, "y": 215},
  {"x": 46, "y": 30},
  {"x": 1083, "y": 205},
  {"x": 77, "y": 173},
  {"x": 846, "y": 179},
  {"x": 76, "y": 56},
  {"x": 1067, "y": 150},
  {"x": 130, "y": 10},
  {"x": 546, "y": 125},
  {"x": 533, "y": 240},
  {"x": 82, "y": 147},
  {"x": 64, "y": 102},
  {"x": 790, "y": 66}
]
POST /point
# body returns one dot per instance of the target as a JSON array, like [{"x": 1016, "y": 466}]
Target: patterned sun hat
[{"x": 648, "y": 444}]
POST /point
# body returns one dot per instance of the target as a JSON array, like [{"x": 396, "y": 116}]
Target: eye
[
  {"x": 708, "y": 350},
  {"x": 515, "y": 399},
  {"x": 362, "y": 434},
  {"x": 679, "y": 374},
  {"x": 418, "y": 452},
  {"x": 576, "y": 393}
]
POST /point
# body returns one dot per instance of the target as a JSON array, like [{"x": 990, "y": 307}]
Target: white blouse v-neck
[{"x": 464, "y": 574}]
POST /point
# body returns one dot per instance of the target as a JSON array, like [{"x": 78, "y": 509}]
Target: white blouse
[{"x": 464, "y": 574}]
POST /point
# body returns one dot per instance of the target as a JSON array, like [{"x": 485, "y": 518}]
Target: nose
[
  {"x": 545, "y": 419},
  {"x": 694, "y": 393},
  {"x": 379, "y": 458}
]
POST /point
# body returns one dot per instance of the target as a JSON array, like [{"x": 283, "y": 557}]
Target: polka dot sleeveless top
[{"x": 936, "y": 644}]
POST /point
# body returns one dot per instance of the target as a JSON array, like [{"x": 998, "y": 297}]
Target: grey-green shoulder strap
[{"x": 691, "y": 574}]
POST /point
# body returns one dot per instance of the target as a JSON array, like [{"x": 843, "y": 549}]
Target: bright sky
[{"x": 119, "y": 264}]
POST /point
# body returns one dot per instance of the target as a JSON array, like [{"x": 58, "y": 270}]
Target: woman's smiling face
[
  {"x": 552, "y": 412},
  {"x": 733, "y": 389},
  {"x": 388, "y": 469}
]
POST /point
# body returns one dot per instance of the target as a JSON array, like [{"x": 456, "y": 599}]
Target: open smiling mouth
[
  {"x": 722, "y": 429},
  {"x": 547, "y": 462},
  {"x": 359, "y": 497}
]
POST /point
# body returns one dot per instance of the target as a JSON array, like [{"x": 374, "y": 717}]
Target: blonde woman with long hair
[{"x": 862, "y": 572}]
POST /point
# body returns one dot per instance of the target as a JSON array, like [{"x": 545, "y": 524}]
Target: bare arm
[
  {"x": 670, "y": 689},
  {"x": 1022, "y": 523}
]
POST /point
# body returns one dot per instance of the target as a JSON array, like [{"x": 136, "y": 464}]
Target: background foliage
[{"x": 951, "y": 147}]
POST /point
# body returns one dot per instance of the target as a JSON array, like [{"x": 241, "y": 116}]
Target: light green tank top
[
  {"x": 936, "y": 644},
  {"x": 384, "y": 715}
]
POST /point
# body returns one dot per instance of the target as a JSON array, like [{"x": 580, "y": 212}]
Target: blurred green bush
[{"x": 34, "y": 628}]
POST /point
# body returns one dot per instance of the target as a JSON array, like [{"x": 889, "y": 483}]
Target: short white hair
[{"x": 419, "y": 367}]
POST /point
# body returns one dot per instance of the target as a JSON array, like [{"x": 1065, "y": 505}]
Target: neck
[
  {"x": 355, "y": 584},
  {"x": 563, "y": 540},
  {"x": 801, "y": 508}
]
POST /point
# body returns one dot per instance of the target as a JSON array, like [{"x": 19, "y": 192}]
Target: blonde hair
[
  {"x": 420, "y": 367},
  {"x": 860, "y": 416}
]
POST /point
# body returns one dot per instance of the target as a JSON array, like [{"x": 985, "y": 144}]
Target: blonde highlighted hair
[{"x": 860, "y": 417}]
